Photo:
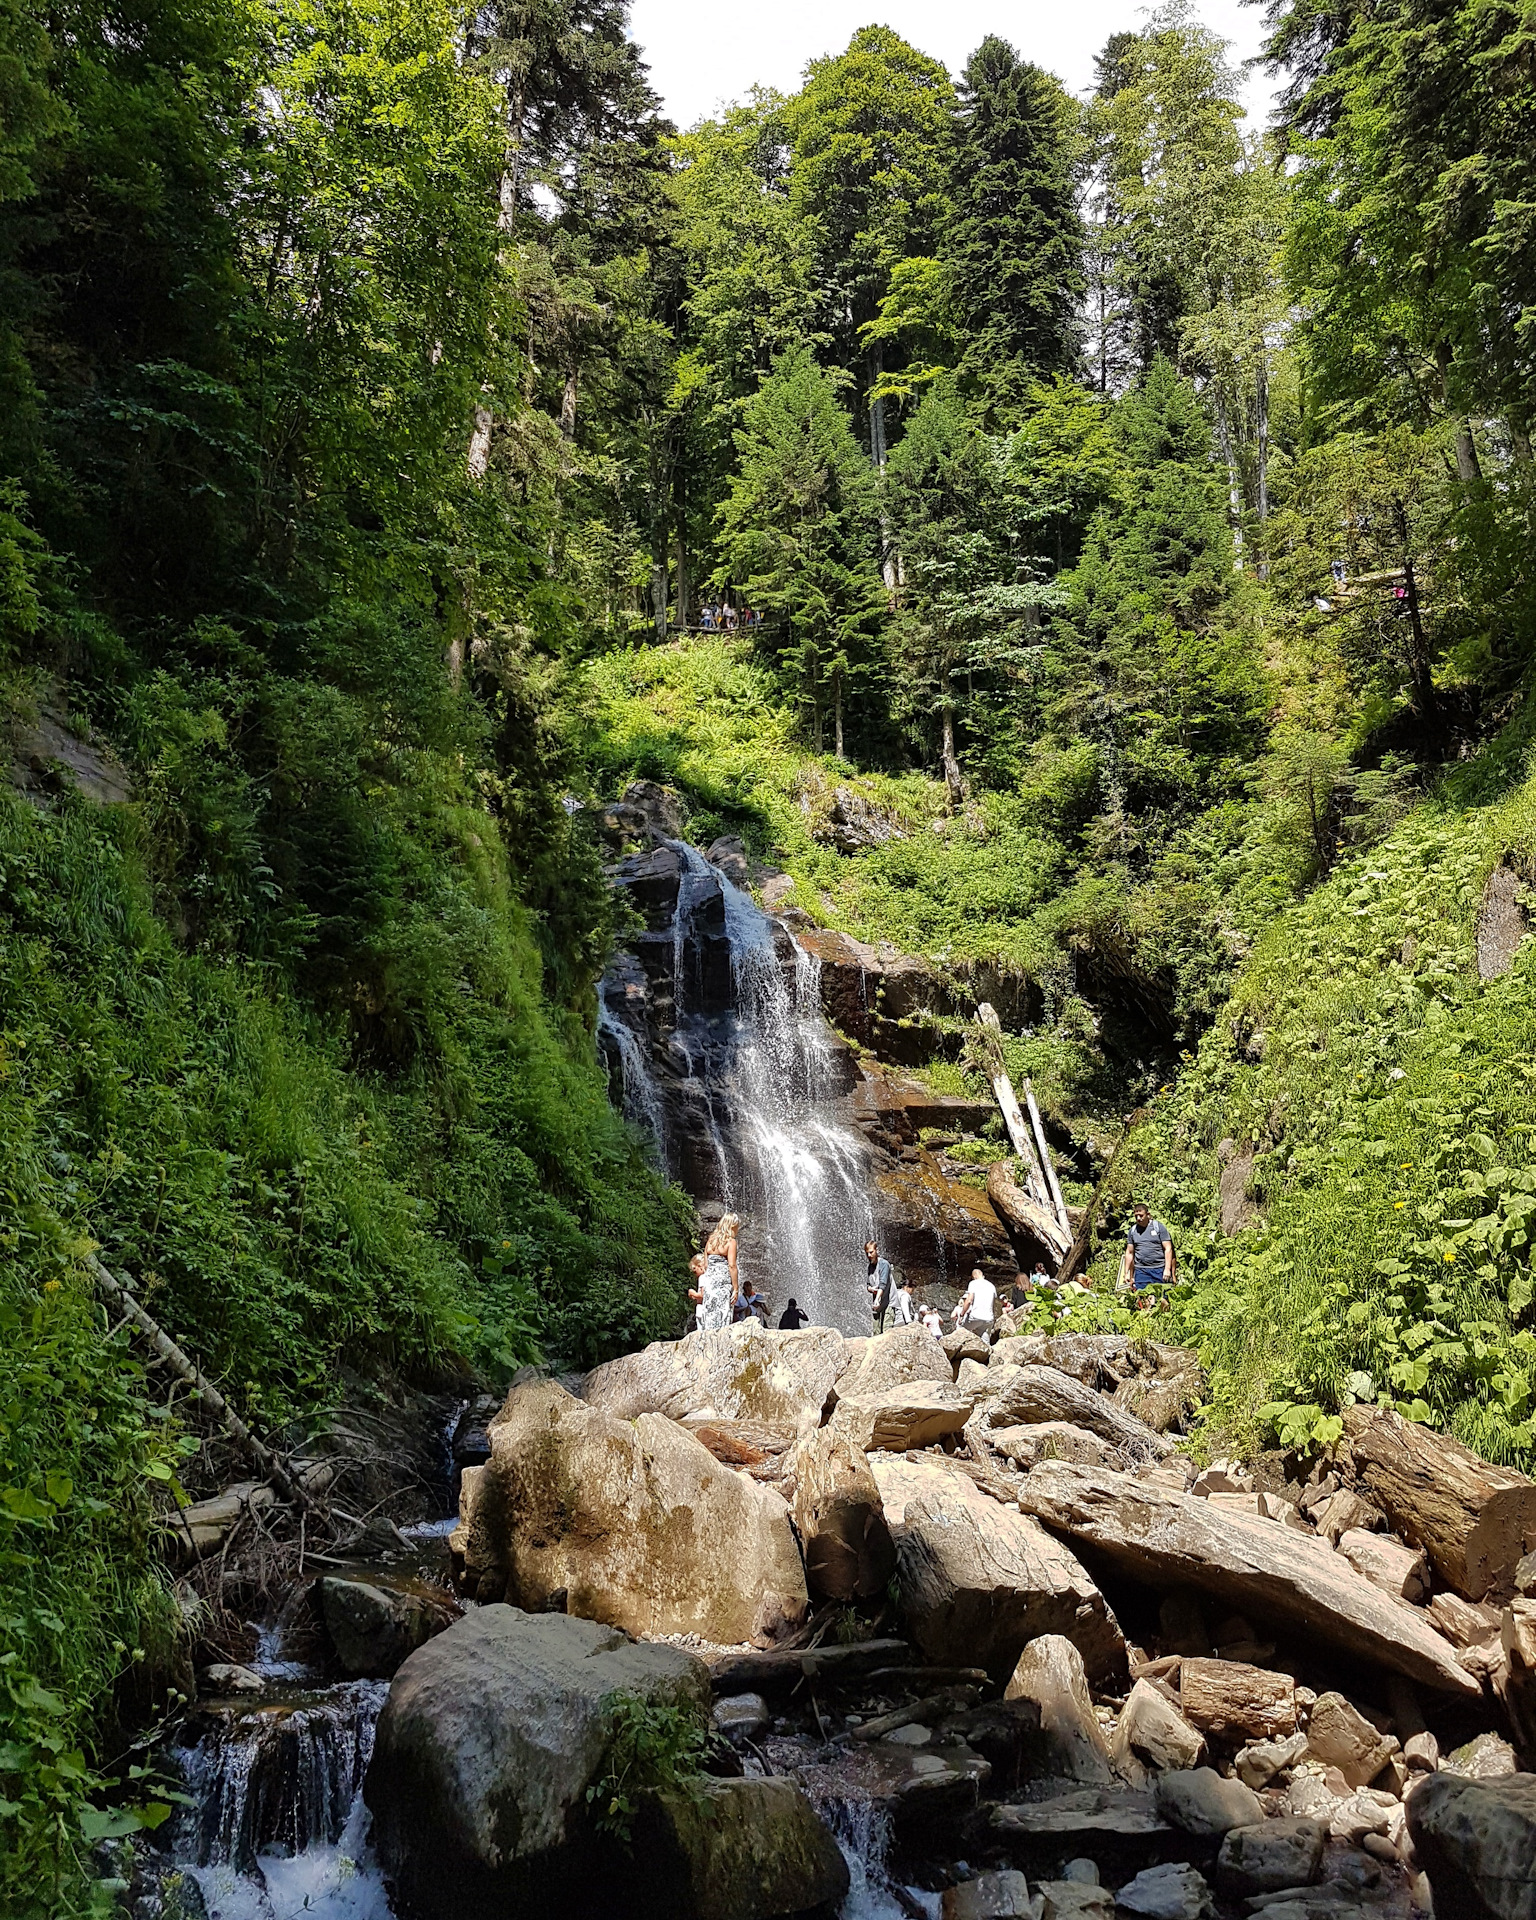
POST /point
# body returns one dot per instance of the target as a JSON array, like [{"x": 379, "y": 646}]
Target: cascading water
[
  {"x": 764, "y": 1078},
  {"x": 863, "y": 1835},
  {"x": 640, "y": 1097},
  {"x": 278, "y": 1825}
]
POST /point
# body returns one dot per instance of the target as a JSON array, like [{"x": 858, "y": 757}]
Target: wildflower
[
  {"x": 1400, "y": 1205},
  {"x": 1450, "y": 1259},
  {"x": 50, "y": 1286}
]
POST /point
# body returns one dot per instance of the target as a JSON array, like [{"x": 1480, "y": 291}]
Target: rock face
[
  {"x": 1476, "y": 1840},
  {"x": 1173, "y": 1540},
  {"x": 743, "y": 1372},
  {"x": 489, "y": 1739},
  {"x": 849, "y": 1553},
  {"x": 977, "y": 1576},
  {"x": 636, "y": 1521}
]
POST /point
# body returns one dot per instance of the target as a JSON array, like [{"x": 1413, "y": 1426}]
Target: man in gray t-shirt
[{"x": 1148, "y": 1260}]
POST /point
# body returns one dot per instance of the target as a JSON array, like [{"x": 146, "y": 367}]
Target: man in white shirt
[{"x": 976, "y": 1309}]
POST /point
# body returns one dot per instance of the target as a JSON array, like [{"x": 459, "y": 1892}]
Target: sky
[{"x": 705, "y": 52}]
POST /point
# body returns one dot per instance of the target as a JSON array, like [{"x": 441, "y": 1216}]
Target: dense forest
[{"x": 1135, "y": 513}]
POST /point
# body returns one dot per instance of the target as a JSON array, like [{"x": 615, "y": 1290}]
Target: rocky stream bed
[{"x": 971, "y": 1638}]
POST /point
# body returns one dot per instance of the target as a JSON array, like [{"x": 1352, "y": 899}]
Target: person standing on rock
[
  {"x": 1148, "y": 1260},
  {"x": 879, "y": 1284},
  {"x": 720, "y": 1284},
  {"x": 793, "y": 1318},
  {"x": 903, "y": 1313},
  {"x": 976, "y": 1310}
]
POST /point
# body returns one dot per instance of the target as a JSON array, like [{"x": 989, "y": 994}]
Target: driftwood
[
  {"x": 271, "y": 1466},
  {"x": 1474, "y": 1520},
  {"x": 750, "y": 1672},
  {"x": 991, "y": 1036},
  {"x": 929, "y": 1708},
  {"x": 1268, "y": 1572},
  {"x": 1058, "y": 1205},
  {"x": 1035, "y": 1394},
  {"x": 1022, "y": 1212},
  {"x": 1078, "y": 1251}
]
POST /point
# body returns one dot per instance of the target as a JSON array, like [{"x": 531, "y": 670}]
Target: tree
[
  {"x": 1149, "y": 660},
  {"x": 870, "y": 130},
  {"x": 797, "y": 535},
  {"x": 1013, "y": 248},
  {"x": 965, "y": 604}
]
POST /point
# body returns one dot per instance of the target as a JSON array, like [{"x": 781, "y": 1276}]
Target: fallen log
[
  {"x": 1473, "y": 1519},
  {"x": 1058, "y": 1204},
  {"x": 270, "y": 1465},
  {"x": 1018, "y": 1210},
  {"x": 926, "y": 1710},
  {"x": 751, "y": 1672},
  {"x": 1037, "y": 1393},
  {"x": 1269, "y": 1572},
  {"x": 991, "y": 1036}
]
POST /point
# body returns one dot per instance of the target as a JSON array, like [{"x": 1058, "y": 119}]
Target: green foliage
[
  {"x": 1013, "y": 248},
  {"x": 654, "y": 1746}
]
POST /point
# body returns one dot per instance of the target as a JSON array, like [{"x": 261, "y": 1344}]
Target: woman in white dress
[{"x": 720, "y": 1283}]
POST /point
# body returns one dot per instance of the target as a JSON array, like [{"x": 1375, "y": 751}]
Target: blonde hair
[{"x": 726, "y": 1230}]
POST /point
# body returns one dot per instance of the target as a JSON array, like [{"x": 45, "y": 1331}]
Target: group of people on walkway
[
  {"x": 1148, "y": 1265},
  {"x": 725, "y": 618}
]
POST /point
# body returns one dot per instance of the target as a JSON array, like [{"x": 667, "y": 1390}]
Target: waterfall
[
  {"x": 799, "y": 1178},
  {"x": 279, "y": 1776},
  {"x": 863, "y": 1835},
  {"x": 640, "y": 1097}
]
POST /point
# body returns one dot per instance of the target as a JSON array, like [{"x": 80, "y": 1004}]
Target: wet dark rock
[
  {"x": 373, "y": 1627},
  {"x": 49, "y": 756}
]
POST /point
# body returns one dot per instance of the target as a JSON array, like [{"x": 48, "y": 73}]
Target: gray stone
[
  {"x": 1339, "y": 1735},
  {"x": 1201, "y": 1802},
  {"x": 1152, "y": 1732},
  {"x": 1073, "y": 1900},
  {"x": 1050, "y": 1672},
  {"x": 980, "y": 1576},
  {"x": 1051, "y": 1440},
  {"x": 373, "y": 1627},
  {"x": 1476, "y": 1839},
  {"x": 1263, "y": 1760},
  {"x": 487, "y": 1744},
  {"x": 990, "y": 1896},
  {"x": 736, "y": 1850},
  {"x": 1488, "y": 1757},
  {"x": 903, "y": 1357},
  {"x": 741, "y": 1715},
  {"x": 1279, "y": 1853},
  {"x": 225, "y": 1677},
  {"x": 745, "y": 1372},
  {"x": 898, "y": 1418},
  {"x": 1173, "y": 1891}
]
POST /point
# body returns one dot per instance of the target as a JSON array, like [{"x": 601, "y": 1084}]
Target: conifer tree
[
  {"x": 798, "y": 535},
  {"x": 1014, "y": 251}
]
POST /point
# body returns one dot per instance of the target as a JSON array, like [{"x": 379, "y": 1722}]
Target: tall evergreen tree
[
  {"x": 1013, "y": 250},
  {"x": 798, "y": 535}
]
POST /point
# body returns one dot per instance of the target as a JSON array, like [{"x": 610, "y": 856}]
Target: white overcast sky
[{"x": 705, "y": 52}]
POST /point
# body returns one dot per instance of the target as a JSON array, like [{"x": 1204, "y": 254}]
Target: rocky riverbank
[{"x": 975, "y": 1598}]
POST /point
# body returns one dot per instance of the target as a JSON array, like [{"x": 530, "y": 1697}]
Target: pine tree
[
  {"x": 1014, "y": 251},
  {"x": 798, "y": 535}
]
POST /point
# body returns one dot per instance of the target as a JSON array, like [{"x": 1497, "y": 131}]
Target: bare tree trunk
[
  {"x": 270, "y": 1465},
  {"x": 1234, "y": 487},
  {"x": 659, "y": 598},
  {"x": 684, "y": 583},
  {"x": 837, "y": 711},
  {"x": 1468, "y": 467},
  {"x": 953, "y": 780},
  {"x": 568, "y": 404}
]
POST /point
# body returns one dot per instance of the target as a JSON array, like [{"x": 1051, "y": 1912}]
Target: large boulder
[
  {"x": 374, "y": 1624},
  {"x": 1476, "y": 1839},
  {"x": 1050, "y": 1673},
  {"x": 737, "y": 1850},
  {"x": 636, "y": 1522},
  {"x": 487, "y": 1744},
  {"x": 979, "y": 1580},
  {"x": 901, "y": 1358},
  {"x": 745, "y": 1372},
  {"x": 901, "y": 1417},
  {"x": 849, "y": 1554}
]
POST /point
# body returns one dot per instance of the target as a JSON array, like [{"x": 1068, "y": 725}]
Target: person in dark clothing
[
  {"x": 1149, "y": 1259},
  {"x": 791, "y": 1320},
  {"x": 879, "y": 1284}
]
